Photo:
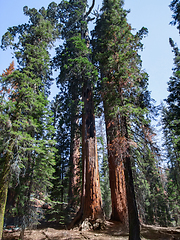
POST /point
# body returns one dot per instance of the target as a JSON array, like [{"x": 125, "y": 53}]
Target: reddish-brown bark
[
  {"x": 116, "y": 174},
  {"x": 118, "y": 191},
  {"x": 74, "y": 177},
  {"x": 91, "y": 203},
  {"x": 74, "y": 159}
]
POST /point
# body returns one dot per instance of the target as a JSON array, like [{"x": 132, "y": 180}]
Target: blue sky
[{"x": 157, "y": 56}]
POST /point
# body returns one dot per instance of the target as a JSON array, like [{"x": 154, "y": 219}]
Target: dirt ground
[{"x": 112, "y": 231}]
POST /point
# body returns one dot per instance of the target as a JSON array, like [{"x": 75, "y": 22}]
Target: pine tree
[{"x": 29, "y": 142}]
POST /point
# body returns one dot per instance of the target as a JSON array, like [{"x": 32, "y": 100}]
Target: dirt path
[{"x": 113, "y": 231}]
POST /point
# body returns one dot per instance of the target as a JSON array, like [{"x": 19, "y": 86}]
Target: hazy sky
[{"x": 157, "y": 56}]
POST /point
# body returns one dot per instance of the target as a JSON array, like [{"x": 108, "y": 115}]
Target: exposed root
[{"x": 89, "y": 224}]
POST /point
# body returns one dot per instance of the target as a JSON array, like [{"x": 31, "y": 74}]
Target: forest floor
[{"x": 112, "y": 231}]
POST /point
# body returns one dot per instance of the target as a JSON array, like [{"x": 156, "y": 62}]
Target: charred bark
[
  {"x": 91, "y": 203},
  {"x": 134, "y": 225}
]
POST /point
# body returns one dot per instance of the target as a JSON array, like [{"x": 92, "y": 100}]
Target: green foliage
[
  {"x": 75, "y": 69},
  {"x": 171, "y": 122},
  {"x": 123, "y": 88},
  {"x": 175, "y": 7},
  {"x": 26, "y": 107}
]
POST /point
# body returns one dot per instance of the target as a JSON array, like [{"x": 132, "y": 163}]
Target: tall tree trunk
[
  {"x": 74, "y": 175},
  {"x": 91, "y": 202},
  {"x": 134, "y": 225},
  {"x": 116, "y": 171},
  {"x": 74, "y": 168}
]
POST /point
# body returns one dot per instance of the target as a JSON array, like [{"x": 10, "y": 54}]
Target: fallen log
[{"x": 164, "y": 233}]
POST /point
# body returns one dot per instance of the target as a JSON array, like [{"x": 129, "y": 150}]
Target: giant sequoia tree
[
  {"x": 78, "y": 74},
  {"x": 125, "y": 100},
  {"x": 27, "y": 141}
]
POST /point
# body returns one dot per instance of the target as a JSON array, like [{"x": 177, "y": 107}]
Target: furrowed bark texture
[
  {"x": 91, "y": 202},
  {"x": 116, "y": 173},
  {"x": 74, "y": 172},
  {"x": 74, "y": 160},
  {"x": 118, "y": 190}
]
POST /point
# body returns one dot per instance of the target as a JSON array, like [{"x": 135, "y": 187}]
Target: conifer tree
[
  {"x": 5, "y": 125},
  {"x": 171, "y": 126},
  {"x": 126, "y": 102},
  {"x": 150, "y": 190},
  {"x": 171, "y": 121},
  {"x": 29, "y": 140},
  {"x": 79, "y": 74}
]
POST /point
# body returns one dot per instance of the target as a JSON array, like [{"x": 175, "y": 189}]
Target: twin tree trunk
[
  {"x": 91, "y": 203},
  {"x": 91, "y": 197},
  {"x": 120, "y": 172}
]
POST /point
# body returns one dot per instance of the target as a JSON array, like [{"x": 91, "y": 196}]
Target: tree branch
[{"x": 90, "y": 9}]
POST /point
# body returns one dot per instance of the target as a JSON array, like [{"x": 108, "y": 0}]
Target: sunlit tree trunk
[
  {"x": 116, "y": 172},
  {"x": 74, "y": 160},
  {"x": 91, "y": 202}
]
